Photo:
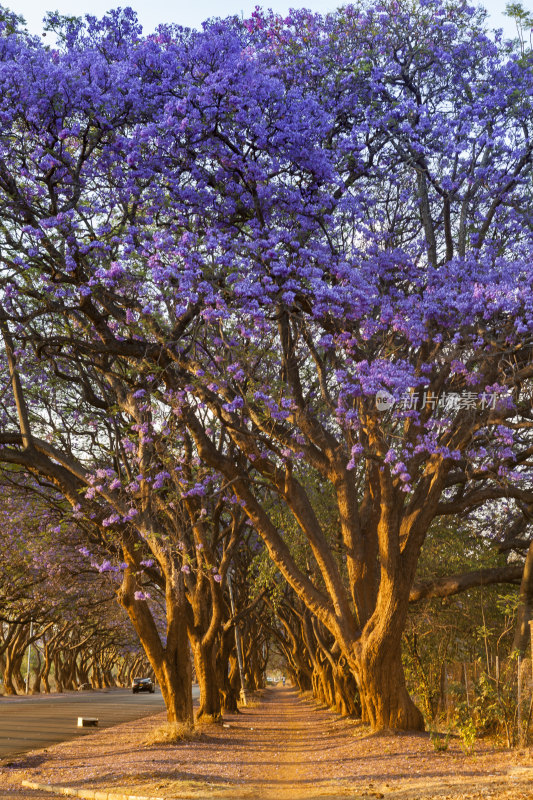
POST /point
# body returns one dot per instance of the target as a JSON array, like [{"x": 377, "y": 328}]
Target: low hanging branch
[
  {"x": 244, "y": 612},
  {"x": 453, "y": 584}
]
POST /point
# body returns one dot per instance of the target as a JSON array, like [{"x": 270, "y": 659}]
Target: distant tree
[
  {"x": 524, "y": 23},
  {"x": 50, "y": 598}
]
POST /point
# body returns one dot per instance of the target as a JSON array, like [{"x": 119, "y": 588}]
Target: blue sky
[{"x": 193, "y": 12}]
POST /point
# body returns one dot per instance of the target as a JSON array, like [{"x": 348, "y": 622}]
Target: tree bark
[
  {"x": 228, "y": 673},
  {"x": 453, "y": 584},
  {"x": 35, "y": 678},
  {"x": 525, "y": 608},
  {"x": 171, "y": 663},
  {"x": 9, "y": 685},
  {"x": 231, "y": 687},
  {"x": 174, "y": 677},
  {"x": 206, "y": 675},
  {"x": 385, "y": 701}
]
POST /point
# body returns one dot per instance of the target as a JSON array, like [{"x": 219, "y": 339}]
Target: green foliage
[
  {"x": 468, "y": 732},
  {"x": 439, "y": 741},
  {"x": 10, "y": 21},
  {"x": 478, "y": 715},
  {"x": 517, "y": 12},
  {"x": 59, "y": 24},
  {"x": 422, "y": 676},
  {"x": 524, "y": 24},
  {"x": 262, "y": 572},
  {"x": 507, "y": 603},
  {"x": 491, "y": 708},
  {"x": 487, "y": 708},
  {"x": 468, "y": 630}
]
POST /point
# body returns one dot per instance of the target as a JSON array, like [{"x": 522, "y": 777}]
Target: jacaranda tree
[{"x": 304, "y": 246}]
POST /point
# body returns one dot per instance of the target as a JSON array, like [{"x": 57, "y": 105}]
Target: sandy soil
[{"x": 285, "y": 749}]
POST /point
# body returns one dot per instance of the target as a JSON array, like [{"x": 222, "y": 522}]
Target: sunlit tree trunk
[
  {"x": 525, "y": 608},
  {"x": 206, "y": 675},
  {"x": 171, "y": 662}
]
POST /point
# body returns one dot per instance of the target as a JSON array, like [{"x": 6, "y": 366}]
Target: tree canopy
[{"x": 270, "y": 262}]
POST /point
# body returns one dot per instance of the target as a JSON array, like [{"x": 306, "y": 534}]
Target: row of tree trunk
[
  {"x": 313, "y": 659},
  {"x": 62, "y": 657},
  {"x": 205, "y": 636}
]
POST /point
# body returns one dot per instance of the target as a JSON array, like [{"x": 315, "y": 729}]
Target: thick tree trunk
[
  {"x": 46, "y": 669},
  {"x": 108, "y": 678},
  {"x": 385, "y": 701},
  {"x": 174, "y": 677},
  {"x": 228, "y": 673},
  {"x": 346, "y": 694},
  {"x": 20, "y": 683},
  {"x": 69, "y": 673},
  {"x": 231, "y": 686},
  {"x": 83, "y": 673},
  {"x": 58, "y": 674},
  {"x": 121, "y": 675},
  {"x": 9, "y": 685},
  {"x": 325, "y": 674},
  {"x": 301, "y": 677},
  {"x": 320, "y": 690},
  {"x": 525, "y": 608},
  {"x": 171, "y": 663},
  {"x": 96, "y": 676},
  {"x": 35, "y": 679},
  {"x": 258, "y": 675},
  {"x": 206, "y": 639},
  {"x": 172, "y": 668},
  {"x": 206, "y": 675}
]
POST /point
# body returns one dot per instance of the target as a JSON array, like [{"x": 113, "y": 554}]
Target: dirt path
[
  {"x": 284, "y": 749},
  {"x": 289, "y": 738}
]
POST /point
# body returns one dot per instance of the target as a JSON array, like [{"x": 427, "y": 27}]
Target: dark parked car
[{"x": 142, "y": 685}]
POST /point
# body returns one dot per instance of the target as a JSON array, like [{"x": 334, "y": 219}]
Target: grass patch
[
  {"x": 172, "y": 733},
  {"x": 209, "y": 719},
  {"x": 439, "y": 741},
  {"x": 250, "y": 703},
  {"x": 253, "y": 699}
]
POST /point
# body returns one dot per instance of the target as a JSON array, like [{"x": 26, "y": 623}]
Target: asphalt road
[{"x": 28, "y": 723}]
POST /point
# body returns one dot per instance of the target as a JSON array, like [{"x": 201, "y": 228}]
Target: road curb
[{"x": 85, "y": 794}]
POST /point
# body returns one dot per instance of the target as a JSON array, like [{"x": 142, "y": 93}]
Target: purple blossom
[
  {"x": 284, "y": 258},
  {"x": 111, "y": 520}
]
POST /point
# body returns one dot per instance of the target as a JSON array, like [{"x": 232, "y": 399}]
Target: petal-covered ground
[{"x": 285, "y": 748}]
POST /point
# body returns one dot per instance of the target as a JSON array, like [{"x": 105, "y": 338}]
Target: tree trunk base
[
  {"x": 385, "y": 701},
  {"x": 208, "y": 719}
]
